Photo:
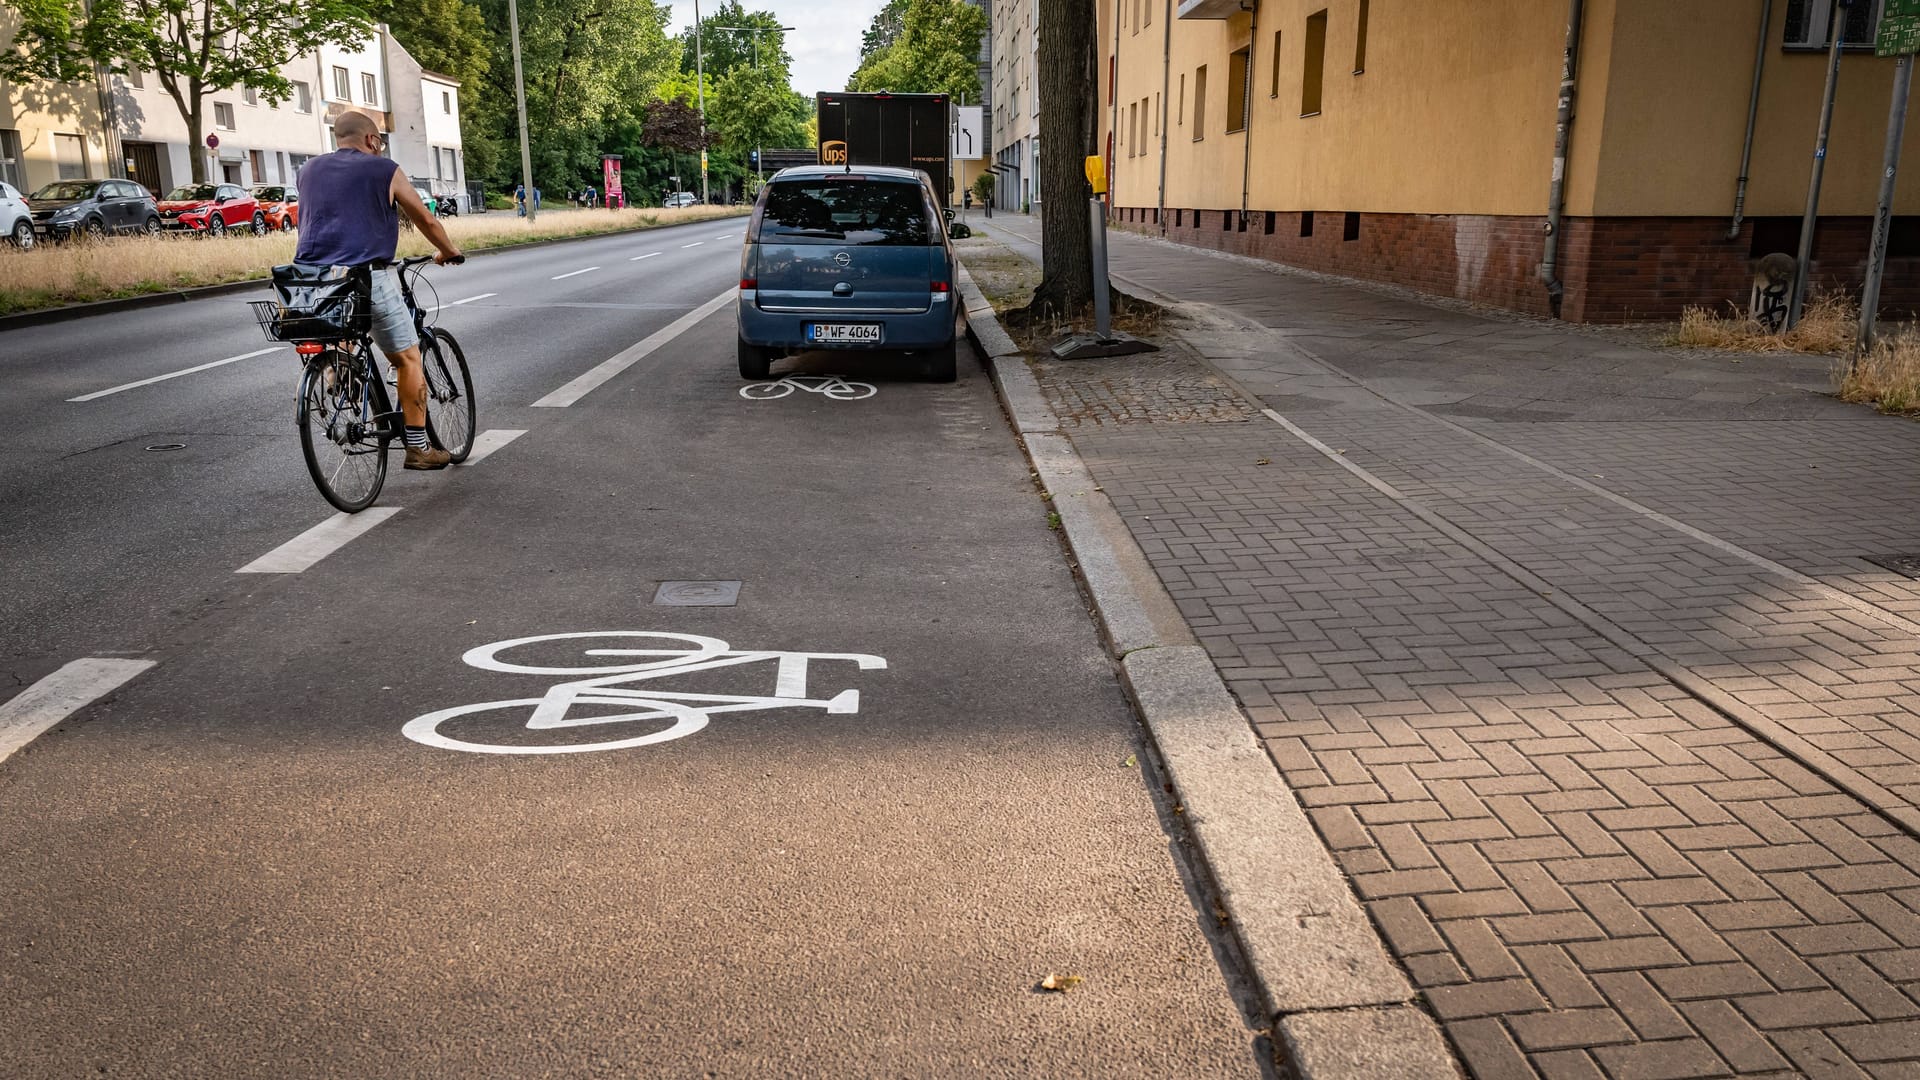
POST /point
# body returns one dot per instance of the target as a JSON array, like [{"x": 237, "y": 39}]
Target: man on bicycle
[{"x": 347, "y": 218}]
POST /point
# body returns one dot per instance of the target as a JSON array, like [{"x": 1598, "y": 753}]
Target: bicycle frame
[{"x": 377, "y": 408}]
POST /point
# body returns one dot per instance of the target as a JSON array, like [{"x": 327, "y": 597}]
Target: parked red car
[
  {"x": 280, "y": 203},
  {"x": 211, "y": 209}
]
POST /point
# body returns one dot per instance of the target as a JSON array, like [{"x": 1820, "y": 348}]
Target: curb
[
  {"x": 68, "y": 312},
  {"x": 1340, "y": 1006}
]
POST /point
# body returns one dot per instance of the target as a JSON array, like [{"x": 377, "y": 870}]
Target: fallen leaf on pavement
[
  {"x": 1131, "y": 761},
  {"x": 1060, "y": 984},
  {"x": 1264, "y": 461}
]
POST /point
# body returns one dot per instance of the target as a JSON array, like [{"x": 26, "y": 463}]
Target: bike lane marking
[
  {"x": 573, "y": 273},
  {"x": 175, "y": 374},
  {"x": 696, "y": 243},
  {"x": 318, "y": 542},
  {"x": 585, "y": 384},
  {"x": 648, "y": 255},
  {"x": 490, "y": 440},
  {"x": 60, "y": 695}
]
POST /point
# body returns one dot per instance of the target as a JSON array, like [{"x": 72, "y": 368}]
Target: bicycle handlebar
[{"x": 419, "y": 259}]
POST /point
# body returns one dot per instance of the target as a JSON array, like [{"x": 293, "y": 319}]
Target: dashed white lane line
[
  {"x": 724, "y": 236},
  {"x": 488, "y": 441},
  {"x": 174, "y": 374},
  {"x": 631, "y": 355},
  {"x": 318, "y": 542},
  {"x": 648, "y": 255},
  {"x": 59, "y": 696},
  {"x": 696, "y": 243},
  {"x": 573, "y": 273},
  {"x": 457, "y": 303}
]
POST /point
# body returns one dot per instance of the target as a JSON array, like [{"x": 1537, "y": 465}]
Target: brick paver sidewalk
[{"x": 1569, "y": 648}]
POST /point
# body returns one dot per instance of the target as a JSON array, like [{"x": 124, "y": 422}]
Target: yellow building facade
[{"x": 1415, "y": 143}]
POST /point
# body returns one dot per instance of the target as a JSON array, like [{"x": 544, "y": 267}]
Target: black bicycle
[{"x": 347, "y": 419}]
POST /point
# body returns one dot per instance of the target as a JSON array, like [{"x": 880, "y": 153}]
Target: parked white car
[
  {"x": 16, "y": 220},
  {"x": 680, "y": 198}
]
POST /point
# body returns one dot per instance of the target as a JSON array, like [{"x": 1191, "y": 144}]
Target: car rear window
[{"x": 846, "y": 213}]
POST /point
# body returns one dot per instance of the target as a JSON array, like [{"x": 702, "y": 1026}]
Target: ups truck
[{"x": 911, "y": 131}]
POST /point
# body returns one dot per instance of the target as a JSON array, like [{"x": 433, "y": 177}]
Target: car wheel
[
  {"x": 95, "y": 228},
  {"x": 259, "y": 223},
  {"x": 216, "y": 225},
  {"x": 755, "y": 361},
  {"x": 152, "y": 227},
  {"x": 22, "y": 236},
  {"x": 943, "y": 363}
]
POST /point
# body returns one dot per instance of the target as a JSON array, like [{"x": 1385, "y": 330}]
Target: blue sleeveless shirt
[{"x": 347, "y": 214}]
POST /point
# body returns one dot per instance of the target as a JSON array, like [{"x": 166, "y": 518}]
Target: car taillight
[
  {"x": 749, "y": 282},
  {"x": 939, "y": 286}
]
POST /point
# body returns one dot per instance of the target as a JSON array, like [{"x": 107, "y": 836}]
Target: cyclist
[{"x": 347, "y": 218}]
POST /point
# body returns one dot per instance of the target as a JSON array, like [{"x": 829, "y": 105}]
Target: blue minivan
[{"x": 848, "y": 258}]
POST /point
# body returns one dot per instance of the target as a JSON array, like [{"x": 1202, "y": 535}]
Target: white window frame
[
  {"x": 369, "y": 89},
  {"x": 1817, "y": 13},
  {"x": 61, "y": 166},
  {"x": 228, "y": 124},
  {"x": 342, "y": 84},
  {"x": 302, "y": 97},
  {"x": 249, "y": 95},
  {"x": 446, "y": 102}
]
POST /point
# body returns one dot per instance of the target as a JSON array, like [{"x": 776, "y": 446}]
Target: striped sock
[{"x": 416, "y": 438}]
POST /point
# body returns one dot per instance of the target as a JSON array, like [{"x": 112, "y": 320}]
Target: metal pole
[
  {"x": 1836, "y": 30},
  {"x": 700, "y": 88},
  {"x": 1753, "y": 116},
  {"x": 1166, "y": 90},
  {"x": 1102, "y": 302},
  {"x": 1113, "y": 108},
  {"x": 520, "y": 104},
  {"x": 1883, "y": 217}
]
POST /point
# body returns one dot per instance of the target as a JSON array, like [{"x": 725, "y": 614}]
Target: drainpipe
[
  {"x": 1166, "y": 91},
  {"x": 1557, "y": 195},
  {"x": 1252, "y": 7},
  {"x": 1753, "y": 115}
]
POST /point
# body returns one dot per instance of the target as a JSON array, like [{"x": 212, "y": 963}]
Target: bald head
[{"x": 352, "y": 127}]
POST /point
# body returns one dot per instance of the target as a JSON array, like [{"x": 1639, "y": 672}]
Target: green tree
[
  {"x": 934, "y": 50},
  {"x": 721, "y": 51},
  {"x": 193, "y": 47},
  {"x": 450, "y": 37}
]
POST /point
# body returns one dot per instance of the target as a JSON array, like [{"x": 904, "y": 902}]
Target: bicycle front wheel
[
  {"x": 345, "y": 453},
  {"x": 450, "y": 407}
]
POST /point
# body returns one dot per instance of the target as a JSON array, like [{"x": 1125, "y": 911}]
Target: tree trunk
[
  {"x": 1068, "y": 90},
  {"x": 196, "y": 139}
]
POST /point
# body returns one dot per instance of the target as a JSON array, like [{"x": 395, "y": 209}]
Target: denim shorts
[{"x": 392, "y": 322}]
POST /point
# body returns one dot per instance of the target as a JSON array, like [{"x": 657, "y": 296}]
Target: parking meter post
[
  {"x": 1102, "y": 301},
  {"x": 1883, "y": 216}
]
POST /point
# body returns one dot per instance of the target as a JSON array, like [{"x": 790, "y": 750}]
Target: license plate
[{"x": 844, "y": 333}]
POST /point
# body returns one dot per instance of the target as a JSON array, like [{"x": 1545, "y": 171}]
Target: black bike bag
[{"x": 322, "y": 303}]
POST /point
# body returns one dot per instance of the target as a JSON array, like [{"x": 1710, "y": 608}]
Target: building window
[
  {"x": 1269, "y": 226},
  {"x": 70, "y": 154},
  {"x": 1274, "y": 90},
  {"x": 1360, "y": 41},
  {"x": 1351, "y": 229},
  {"x": 259, "y": 162},
  {"x": 367, "y": 89},
  {"x": 10, "y": 158},
  {"x": 223, "y": 115},
  {"x": 302, "y": 98},
  {"x": 340, "y": 84},
  {"x": 137, "y": 79},
  {"x": 249, "y": 95},
  {"x": 1180, "y": 103},
  {"x": 1237, "y": 76},
  {"x": 1316, "y": 64},
  {"x": 1156, "y": 112},
  {"x": 1807, "y": 23},
  {"x": 446, "y": 102},
  {"x": 1306, "y": 223},
  {"x": 1200, "y": 103},
  {"x": 1131, "y": 136},
  {"x": 1147, "y": 7}
]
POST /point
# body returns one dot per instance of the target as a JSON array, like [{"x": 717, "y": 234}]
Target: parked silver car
[{"x": 16, "y": 218}]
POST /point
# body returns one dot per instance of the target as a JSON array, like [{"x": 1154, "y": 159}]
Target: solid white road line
[
  {"x": 457, "y": 303},
  {"x": 59, "y": 696},
  {"x": 696, "y": 243},
  {"x": 573, "y": 273},
  {"x": 648, "y": 255},
  {"x": 173, "y": 374},
  {"x": 631, "y": 355},
  {"x": 318, "y": 542},
  {"x": 488, "y": 441}
]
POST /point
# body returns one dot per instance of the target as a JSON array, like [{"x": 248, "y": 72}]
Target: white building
[
  {"x": 260, "y": 141},
  {"x": 424, "y": 131}
]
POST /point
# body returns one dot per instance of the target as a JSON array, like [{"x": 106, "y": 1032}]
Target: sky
[{"x": 825, "y": 44}]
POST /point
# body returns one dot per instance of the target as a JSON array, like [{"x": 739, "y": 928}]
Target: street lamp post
[
  {"x": 759, "y": 156},
  {"x": 520, "y": 104},
  {"x": 700, "y": 88}
]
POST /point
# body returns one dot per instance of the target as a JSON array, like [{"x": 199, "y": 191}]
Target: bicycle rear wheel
[
  {"x": 450, "y": 406},
  {"x": 345, "y": 452}
]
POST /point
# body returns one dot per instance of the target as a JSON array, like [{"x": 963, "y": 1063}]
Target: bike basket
[{"x": 317, "y": 303}]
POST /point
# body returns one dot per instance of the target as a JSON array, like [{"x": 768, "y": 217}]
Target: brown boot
[{"x": 429, "y": 458}]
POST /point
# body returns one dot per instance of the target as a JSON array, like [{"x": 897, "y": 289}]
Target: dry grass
[
  {"x": 1887, "y": 376},
  {"x": 54, "y": 275},
  {"x": 1828, "y": 325},
  {"x": 1008, "y": 281}
]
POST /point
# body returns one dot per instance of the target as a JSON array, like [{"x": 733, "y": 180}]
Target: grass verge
[
  {"x": 1887, "y": 376},
  {"x": 55, "y": 275},
  {"x": 1827, "y": 325}
]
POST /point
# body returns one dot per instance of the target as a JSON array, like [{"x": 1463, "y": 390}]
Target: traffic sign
[
  {"x": 213, "y": 142},
  {"x": 1899, "y": 34}
]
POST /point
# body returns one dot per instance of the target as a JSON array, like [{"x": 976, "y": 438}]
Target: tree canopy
[{"x": 922, "y": 47}]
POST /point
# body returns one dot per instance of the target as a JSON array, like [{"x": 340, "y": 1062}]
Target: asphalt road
[{"x": 301, "y": 843}]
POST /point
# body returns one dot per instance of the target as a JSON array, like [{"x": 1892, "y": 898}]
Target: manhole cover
[
  {"x": 158, "y": 448},
  {"x": 697, "y": 594},
  {"x": 1899, "y": 564}
]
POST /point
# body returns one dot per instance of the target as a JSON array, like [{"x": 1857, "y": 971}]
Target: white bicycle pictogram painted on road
[
  {"x": 831, "y": 386},
  {"x": 641, "y": 658}
]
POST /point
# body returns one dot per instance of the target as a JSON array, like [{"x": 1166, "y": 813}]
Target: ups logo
[{"x": 833, "y": 153}]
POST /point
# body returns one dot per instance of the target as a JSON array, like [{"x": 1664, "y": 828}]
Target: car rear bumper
[{"x": 931, "y": 329}]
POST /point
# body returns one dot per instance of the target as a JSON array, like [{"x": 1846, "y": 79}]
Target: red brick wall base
[{"x": 1614, "y": 269}]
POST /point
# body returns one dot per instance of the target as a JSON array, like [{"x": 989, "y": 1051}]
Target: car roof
[{"x": 815, "y": 172}]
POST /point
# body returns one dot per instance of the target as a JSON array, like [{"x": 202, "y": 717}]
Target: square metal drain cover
[
  {"x": 697, "y": 594},
  {"x": 1899, "y": 564}
]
